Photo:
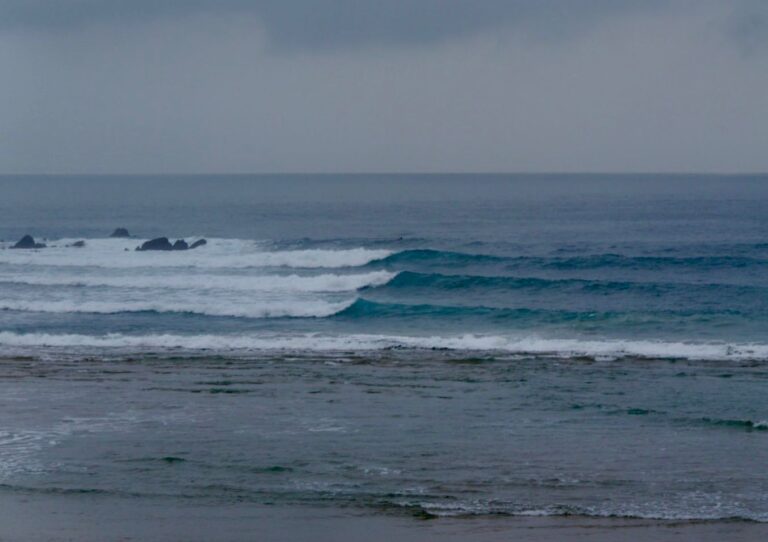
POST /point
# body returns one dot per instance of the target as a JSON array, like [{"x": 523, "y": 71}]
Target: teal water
[{"x": 434, "y": 344}]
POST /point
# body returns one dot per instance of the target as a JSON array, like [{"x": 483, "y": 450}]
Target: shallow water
[
  {"x": 440, "y": 344},
  {"x": 435, "y": 433}
]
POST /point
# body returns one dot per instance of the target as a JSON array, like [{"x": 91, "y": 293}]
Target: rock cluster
[{"x": 162, "y": 243}]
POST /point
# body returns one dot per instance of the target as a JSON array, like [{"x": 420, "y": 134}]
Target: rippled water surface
[{"x": 439, "y": 344}]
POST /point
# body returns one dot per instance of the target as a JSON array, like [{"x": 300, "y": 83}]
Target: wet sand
[{"x": 85, "y": 518}]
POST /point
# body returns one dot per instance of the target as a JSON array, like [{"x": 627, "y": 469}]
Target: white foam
[
  {"x": 210, "y": 306},
  {"x": 561, "y": 348},
  {"x": 217, "y": 254},
  {"x": 19, "y": 446},
  {"x": 17, "y": 449},
  {"x": 288, "y": 283}
]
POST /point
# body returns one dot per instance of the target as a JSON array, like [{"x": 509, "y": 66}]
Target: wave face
[
  {"x": 592, "y": 261},
  {"x": 439, "y": 281}
]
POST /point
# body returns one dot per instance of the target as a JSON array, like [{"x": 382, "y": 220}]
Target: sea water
[{"x": 442, "y": 344}]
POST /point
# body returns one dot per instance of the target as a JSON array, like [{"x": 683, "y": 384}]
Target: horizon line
[{"x": 385, "y": 173}]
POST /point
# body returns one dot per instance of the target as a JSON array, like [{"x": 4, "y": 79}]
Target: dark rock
[
  {"x": 198, "y": 243},
  {"x": 78, "y": 244},
  {"x": 120, "y": 232},
  {"x": 28, "y": 242},
  {"x": 181, "y": 244},
  {"x": 161, "y": 243}
]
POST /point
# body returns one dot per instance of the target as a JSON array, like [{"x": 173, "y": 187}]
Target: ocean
[{"x": 428, "y": 345}]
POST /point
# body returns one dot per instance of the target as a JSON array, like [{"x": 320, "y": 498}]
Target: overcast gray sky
[{"x": 161, "y": 86}]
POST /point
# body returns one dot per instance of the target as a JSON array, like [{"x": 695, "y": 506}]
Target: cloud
[
  {"x": 747, "y": 25},
  {"x": 202, "y": 86},
  {"x": 299, "y": 24}
]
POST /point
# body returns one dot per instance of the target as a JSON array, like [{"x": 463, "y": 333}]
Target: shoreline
[{"x": 32, "y": 518}]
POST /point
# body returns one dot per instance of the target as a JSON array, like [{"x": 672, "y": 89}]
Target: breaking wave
[
  {"x": 280, "y": 308},
  {"x": 527, "y": 346},
  {"x": 297, "y": 283},
  {"x": 217, "y": 254}
]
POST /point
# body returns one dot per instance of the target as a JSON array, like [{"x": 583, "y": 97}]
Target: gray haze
[{"x": 134, "y": 86}]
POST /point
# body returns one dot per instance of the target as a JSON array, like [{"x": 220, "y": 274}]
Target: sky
[{"x": 238, "y": 86}]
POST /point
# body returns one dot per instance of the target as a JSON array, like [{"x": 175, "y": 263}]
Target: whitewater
[
  {"x": 528, "y": 346},
  {"x": 420, "y": 298}
]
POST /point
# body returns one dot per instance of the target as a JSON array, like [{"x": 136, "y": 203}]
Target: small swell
[
  {"x": 650, "y": 262},
  {"x": 436, "y": 257},
  {"x": 593, "y": 261},
  {"x": 411, "y": 279},
  {"x": 747, "y": 425},
  {"x": 364, "y": 308}
]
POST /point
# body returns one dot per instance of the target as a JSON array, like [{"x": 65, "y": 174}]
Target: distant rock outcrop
[
  {"x": 28, "y": 242},
  {"x": 120, "y": 232},
  {"x": 77, "y": 244},
  {"x": 160, "y": 243}
]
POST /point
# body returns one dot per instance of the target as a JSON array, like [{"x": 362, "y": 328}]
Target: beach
[{"x": 32, "y": 519}]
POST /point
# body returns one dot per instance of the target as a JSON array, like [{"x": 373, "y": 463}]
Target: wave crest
[
  {"x": 591, "y": 261},
  {"x": 268, "y": 283},
  {"x": 217, "y": 254},
  {"x": 263, "y": 309}
]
